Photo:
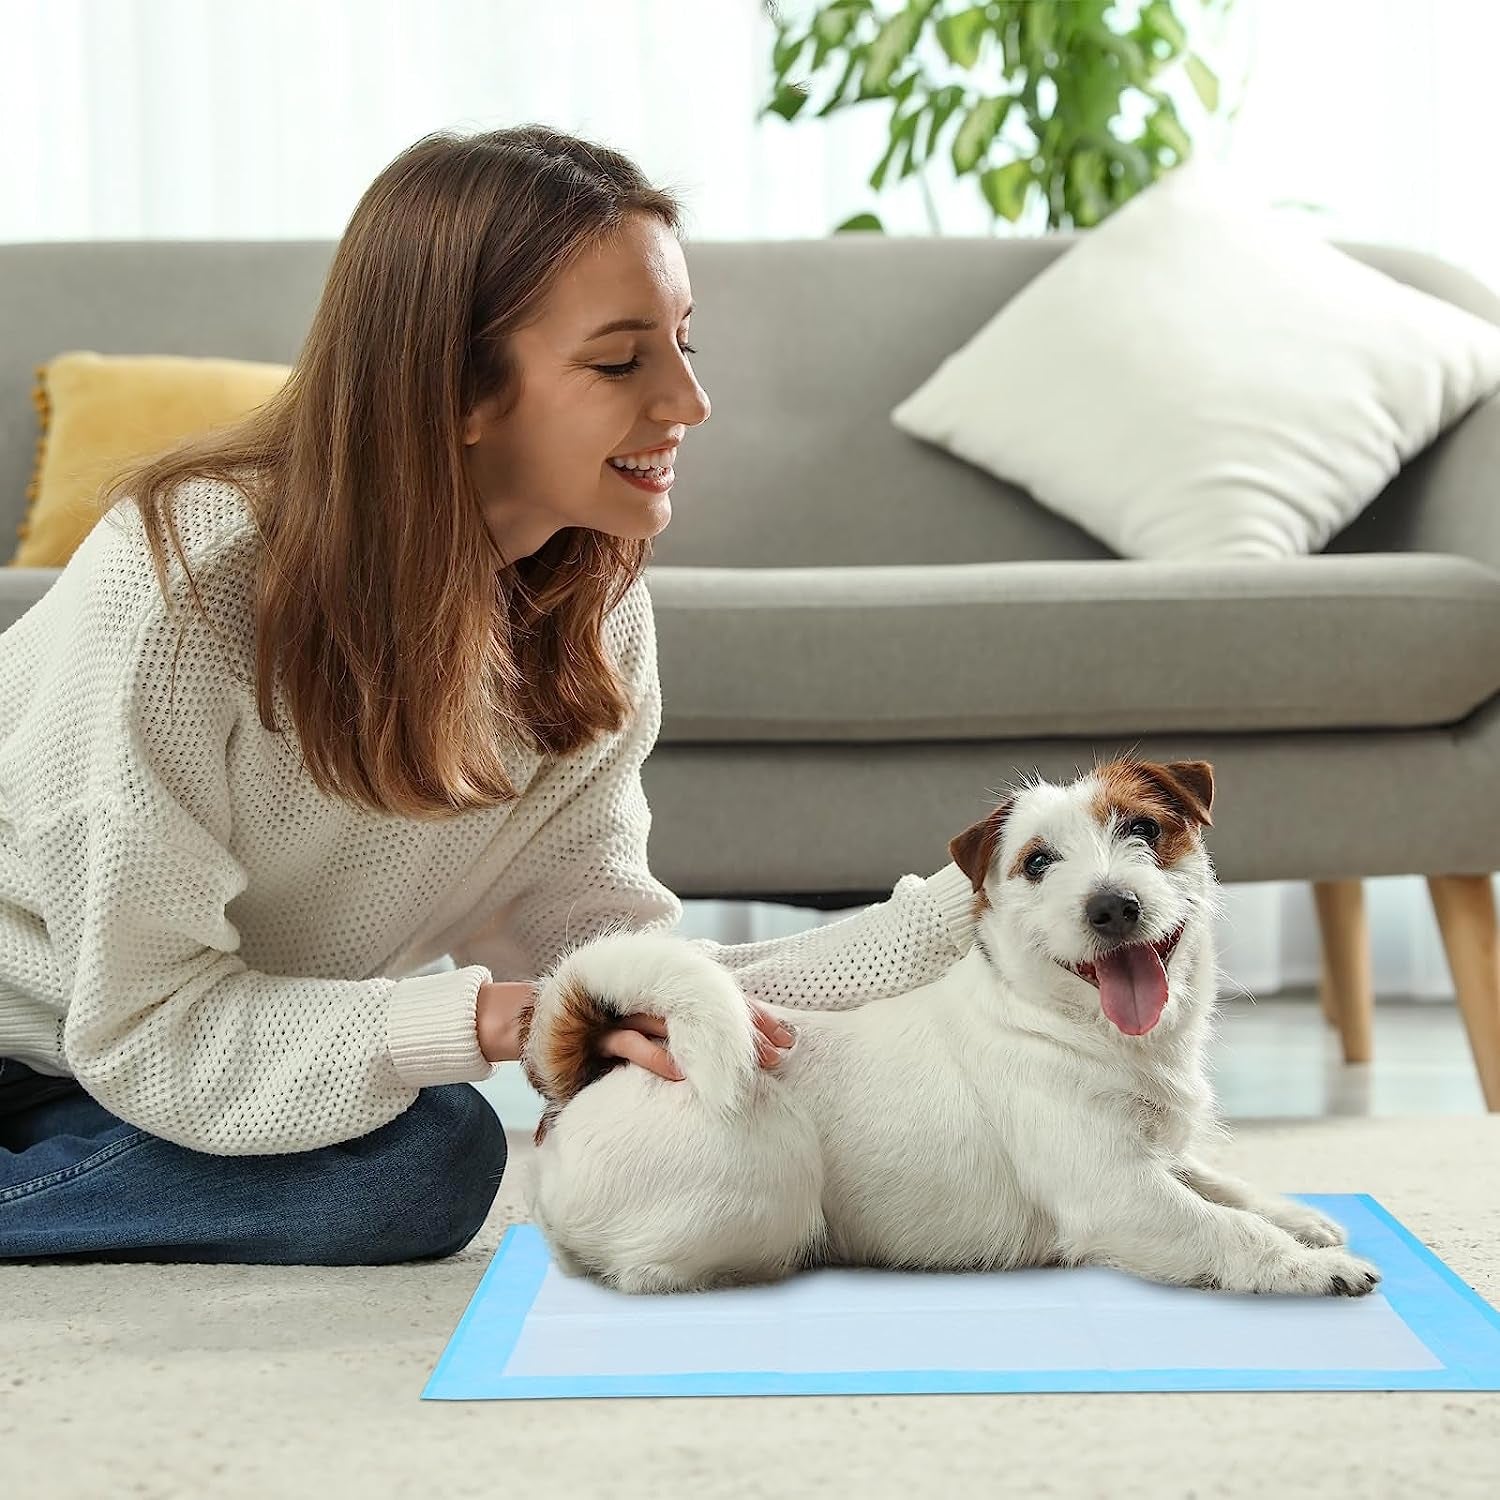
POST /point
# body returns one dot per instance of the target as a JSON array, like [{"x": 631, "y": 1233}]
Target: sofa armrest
[
  {"x": 1448, "y": 497},
  {"x": 20, "y": 588}
]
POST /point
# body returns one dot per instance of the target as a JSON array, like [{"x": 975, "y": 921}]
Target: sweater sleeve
[
  {"x": 896, "y": 945},
  {"x": 166, "y": 1025},
  {"x": 584, "y": 872}
]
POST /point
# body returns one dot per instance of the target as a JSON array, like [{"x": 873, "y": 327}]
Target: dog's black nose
[{"x": 1113, "y": 914}]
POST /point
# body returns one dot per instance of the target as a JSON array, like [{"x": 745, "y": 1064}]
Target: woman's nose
[{"x": 685, "y": 402}]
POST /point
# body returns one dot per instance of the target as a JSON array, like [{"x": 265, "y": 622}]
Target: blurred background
[{"x": 265, "y": 119}]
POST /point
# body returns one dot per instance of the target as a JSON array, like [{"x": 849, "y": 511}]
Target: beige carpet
[{"x": 202, "y": 1382}]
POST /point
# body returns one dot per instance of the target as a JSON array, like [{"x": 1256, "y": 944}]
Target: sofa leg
[
  {"x": 1465, "y": 907},
  {"x": 1348, "y": 989}
]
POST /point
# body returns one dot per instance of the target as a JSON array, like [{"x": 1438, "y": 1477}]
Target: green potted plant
[{"x": 1055, "y": 108}]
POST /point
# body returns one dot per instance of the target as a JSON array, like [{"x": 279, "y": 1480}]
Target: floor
[
  {"x": 1279, "y": 1059},
  {"x": 245, "y": 1382},
  {"x": 238, "y": 1383}
]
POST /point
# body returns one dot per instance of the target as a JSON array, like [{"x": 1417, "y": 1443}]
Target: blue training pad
[{"x": 530, "y": 1332}]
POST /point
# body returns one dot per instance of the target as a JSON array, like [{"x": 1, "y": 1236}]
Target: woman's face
[{"x": 593, "y": 393}]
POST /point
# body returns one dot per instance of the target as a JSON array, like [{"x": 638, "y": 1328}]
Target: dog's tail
[{"x": 710, "y": 1032}]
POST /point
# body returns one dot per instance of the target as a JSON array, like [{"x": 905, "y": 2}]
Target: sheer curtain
[{"x": 267, "y": 118}]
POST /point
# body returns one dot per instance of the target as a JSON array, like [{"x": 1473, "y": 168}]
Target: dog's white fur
[{"x": 991, "y": 1119}]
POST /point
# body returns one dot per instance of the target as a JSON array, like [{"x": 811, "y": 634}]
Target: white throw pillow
[{"x": 1199, "y": 377}]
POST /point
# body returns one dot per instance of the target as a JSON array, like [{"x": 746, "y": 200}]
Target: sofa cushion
[
  {"x": 99, "y": 413},
  {"x": 975, "y": 651},
  {"x": 1199, "y": 377}
]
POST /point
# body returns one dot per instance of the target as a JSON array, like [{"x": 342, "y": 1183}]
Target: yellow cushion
[{"x": 99, "y": 412}]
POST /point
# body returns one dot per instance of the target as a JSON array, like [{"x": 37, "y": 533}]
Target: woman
[{"x": 365, "y": 681}]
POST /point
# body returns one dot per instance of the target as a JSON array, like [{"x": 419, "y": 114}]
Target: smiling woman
[
  {"x": 360, "y": 683},
  {"x": 474, "y": 276}
]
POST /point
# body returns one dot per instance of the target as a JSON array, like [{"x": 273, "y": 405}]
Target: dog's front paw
[
  {"x": 1329, "y": 1272},
  {"x": 1307, "y": 1225}
]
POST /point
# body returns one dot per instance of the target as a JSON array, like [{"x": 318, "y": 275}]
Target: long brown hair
[{"x": 408, "y": 651}]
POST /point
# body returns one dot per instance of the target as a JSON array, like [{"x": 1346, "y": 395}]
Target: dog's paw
[
  {"x": 1329, "y": 1272},
  {"x": 1346, "y": 1275},
  {"x": 1308, "y": 1226}
]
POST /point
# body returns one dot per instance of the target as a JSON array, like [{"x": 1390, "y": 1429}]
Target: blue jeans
[{"x": 77, "y": 1182}]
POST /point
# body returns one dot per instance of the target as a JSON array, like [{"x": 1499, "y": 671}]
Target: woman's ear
[{"x": 479, "y": 418}]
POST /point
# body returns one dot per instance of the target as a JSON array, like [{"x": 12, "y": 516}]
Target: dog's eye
[
  {"x": 1144, "y": 828},
  {"x": 1036, "y": 864}
]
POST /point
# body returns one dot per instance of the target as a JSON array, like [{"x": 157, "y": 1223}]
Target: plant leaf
[
  {"x": 836, "y": 100},
  {"x": 1160, "y": 20},
  {"x": 787, "y": 101},
  {"x": 903, "y": 129},
  {"x": 1133, "y": 62},
  {"x": 1039, "y": 26},
  {"x": 1087, "y": 193},
  {"x": 1005, "y": 188},
  {"x": 892, "y": 45},
  {"x": 962, "y": 34},
  {"x": 786, "y": 52},
  {"x": 1205, "y": 84},
  {"x": 831, "y": 26},
  {"x": 866, "y": 222},
  {"x": 1135, "y": 166},
  {"x": 940, "y": 109},
  {"x": 981, "y": 125},
  {"x": 1169, "y": 131}
]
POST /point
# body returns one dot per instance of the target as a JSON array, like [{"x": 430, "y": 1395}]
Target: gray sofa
[{"x": 861, "y": 637}]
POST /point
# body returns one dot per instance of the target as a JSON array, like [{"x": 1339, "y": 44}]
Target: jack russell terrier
[{"x": 1043, "y": 1103}]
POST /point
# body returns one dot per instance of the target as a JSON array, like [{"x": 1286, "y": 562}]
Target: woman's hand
[
  {"x": 639, "y": 1037},
  {"x": 497, "y": 1018}
]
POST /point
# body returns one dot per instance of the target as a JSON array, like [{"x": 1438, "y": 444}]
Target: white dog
[{"x": 1043, "y": 1103}]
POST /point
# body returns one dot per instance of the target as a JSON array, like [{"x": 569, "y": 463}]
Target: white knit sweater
[{"x": 215, "y": 949}]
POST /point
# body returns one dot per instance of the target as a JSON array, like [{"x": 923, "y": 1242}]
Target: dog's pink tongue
[{"x": 1132, "y": 987}]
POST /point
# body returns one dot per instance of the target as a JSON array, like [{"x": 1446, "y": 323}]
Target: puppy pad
[{"x": 530, "y": 1332}]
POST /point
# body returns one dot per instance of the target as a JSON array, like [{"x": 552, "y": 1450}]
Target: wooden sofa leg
[
  {"x": 1348, "y": 986},
  {"x": 1465, "y": 907}
]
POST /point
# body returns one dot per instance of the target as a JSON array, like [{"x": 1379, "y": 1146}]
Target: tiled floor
[{"x": 1276, "y": 1059}]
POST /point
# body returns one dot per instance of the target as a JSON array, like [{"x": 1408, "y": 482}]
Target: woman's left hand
[{"x": 639, "y": 1039}]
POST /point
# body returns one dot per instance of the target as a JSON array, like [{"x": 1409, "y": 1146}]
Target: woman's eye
[
  {"x": 1144, "y": 828},
  {"x": 1036, "y": 864},
  {"x": 618, "y": 372}
]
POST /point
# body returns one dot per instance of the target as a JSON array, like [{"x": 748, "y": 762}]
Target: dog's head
[{"x": 1102, "y": 885}]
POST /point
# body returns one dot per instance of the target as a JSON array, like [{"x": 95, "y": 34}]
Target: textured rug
[{"x": 230, "y": 1381}]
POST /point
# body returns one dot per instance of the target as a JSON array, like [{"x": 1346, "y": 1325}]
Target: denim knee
[{"x": 428, "y": 1180}]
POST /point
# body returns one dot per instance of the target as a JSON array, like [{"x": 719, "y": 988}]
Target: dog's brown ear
[
  {"x": 1188, "y": 785},
  {"x": 973, "y": 850}
]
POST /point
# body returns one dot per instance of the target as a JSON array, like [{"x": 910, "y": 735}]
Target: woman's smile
[
  {"x": 651, "y": 471},
  {"x": 655, "y": 481}
]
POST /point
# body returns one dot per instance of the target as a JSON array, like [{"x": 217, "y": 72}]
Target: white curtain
[{"x": 267, "y": 118}]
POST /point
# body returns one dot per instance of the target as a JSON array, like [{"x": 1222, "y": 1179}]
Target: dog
[{"x": 1043, "y": 1103}]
